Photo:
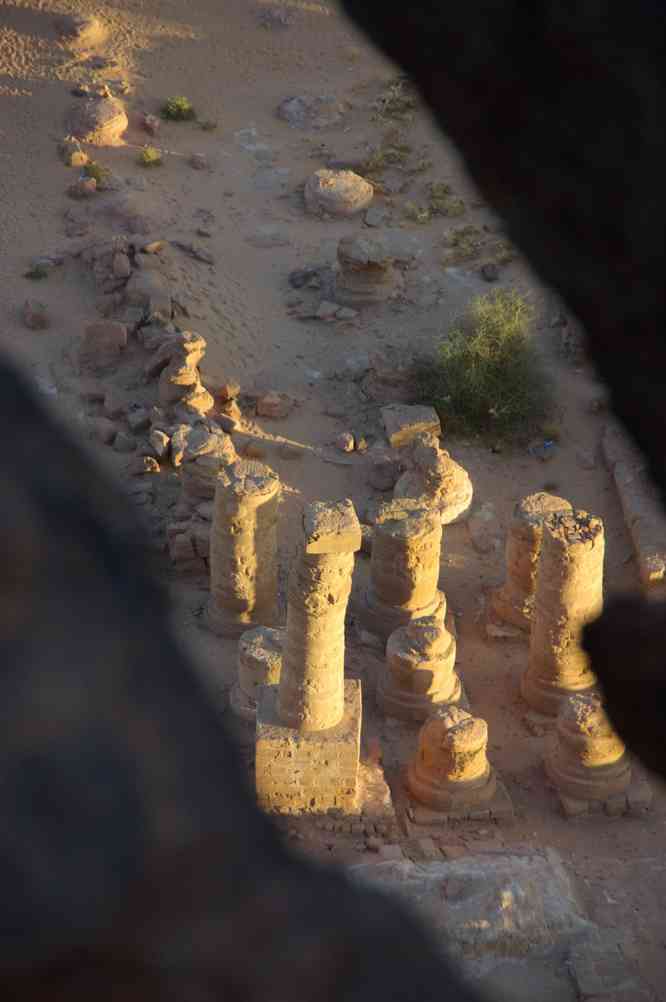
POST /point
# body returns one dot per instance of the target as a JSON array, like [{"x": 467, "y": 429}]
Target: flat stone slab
[
  {"x": 331, "y": 528},
  {"x": 403, "y": 422}
]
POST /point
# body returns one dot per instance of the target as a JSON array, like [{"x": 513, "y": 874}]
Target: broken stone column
[
  {"x": 366, "y": 272},
  {"x": 243, "y": 549},
  {"x": 420, "y": 670},
  {"x": 569, "y": 593},
  {"x": 436, "y": 481},
  {"x": 259, "y": 663},
  {"x": 512, "y": 602},
  {"x": 585, "y": 759},
  {"x": 404, "y": 568},
  {"x": 309, "y": 727},
  {"x": 451, "y": 770},
  {"x": 311, "y": 687}
]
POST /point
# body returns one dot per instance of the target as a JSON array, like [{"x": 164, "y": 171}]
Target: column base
[
  {"x": 381, "y": 620},
  {"x": 225, "y": 623},
  {"x": 308, "y": 772}
]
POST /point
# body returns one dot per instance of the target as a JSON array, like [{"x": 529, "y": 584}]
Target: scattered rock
[
  {"x": 35, "y": 315},
  {"x": 150, "y": 124},
  {"x": 179, "y": 443},
  {"x": 346, "y": 314},
  {"x": 327, "y": 311},
  {"x": 124, "y": 443},
  {"x": 98, "y": 121},
  {"x": 143, "y": 464},
  {"x": 159, "y": 442},
  {"x": 82, "y": 31},
  {"x": 227, "y": 390},
  {"x": 194, "y": 251},
  {"x": 490, "y": 272},
  {"x": 104, "y": 430},
  {"x": 305, "y": 112},
  {"x": 138, "y": 419},
  {"x": 345, "y": 442},
  {"x": 274, "y": 405},
  {"x": 84, "y": 187},
  {"x": 375, "y": 216},
  {"x": 484, "y": 529},
  {"x": 384, "y": 474},
  {"x": 102, "y": 344},
  {"x": 301, "y": 277},
  {"x": 198, "y": 161},
  {"x": 337, "y": 193},
  {"x": 273, "y": 179},
  {"x": 404, "y": 422},
  {"x": 267, "y": 236}
]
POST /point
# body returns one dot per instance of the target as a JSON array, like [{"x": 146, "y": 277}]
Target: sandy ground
[{"x": 235, "y": 70}]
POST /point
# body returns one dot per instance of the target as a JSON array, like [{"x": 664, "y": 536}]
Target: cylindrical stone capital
[
  {"x": 311, "y": 693},
  {"x": 243, "y": 548},
  {"x": 569, "y": 594},
  {"x": 420, "y": 670},
  {"x": 512, "y": 602}
]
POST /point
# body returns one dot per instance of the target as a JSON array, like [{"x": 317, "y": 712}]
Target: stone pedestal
[
  {"x": 308, "y": 771},
  {"x": 366, "y": 272},
  {"x": 451, "y": 771},
  {"x": 420, "y": 671},
  {"x": 512, "y": 602},
  {"x": 259, "y": 663},
  {"x": 404, "y": 568},
  {"x": 308, "y": 728},
  {"x": 569, "y": 593},
  {"x": 585, "y": 759},
  {"x": 243, "y": 549}
]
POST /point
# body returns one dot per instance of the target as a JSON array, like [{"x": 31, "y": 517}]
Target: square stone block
[
  {"x": 403, "y": 422},
  {"x": 308, "y": 772},
  {"x": 331, "y": 528}
]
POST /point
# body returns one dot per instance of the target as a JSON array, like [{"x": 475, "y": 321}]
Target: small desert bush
[
  {"x": 178, "y": 109},
  {"x": 487, "y": 377},
  {"x": 150, "y": 156},
  {"x": 98, "y": 172}
]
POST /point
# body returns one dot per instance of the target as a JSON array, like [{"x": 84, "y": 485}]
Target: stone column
[
  {"x": 311, "y": 695},
  {"x": 309, "y": 727},
  {"x": 451, "y": 770},
  {"x": 585, "y": 758},
  {"x": 243, "y": 549},
  {"x": 420, "y": 670},
  {"x": 259, "y": 663},
  {"x": 404, "y": 568},
  {"x": 569, "y": 593},
  {"x": 512, "y": 601}
]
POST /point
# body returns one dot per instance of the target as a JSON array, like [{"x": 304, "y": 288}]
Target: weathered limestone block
[
  {"x": 98, "y": 121},
  {"x": 569, "y": 593},
  {"x": 337, "y": 193},
  {"x": 243, "y": 549},
  {"x": 366, "y": 273},
  {"x": 259, "y": 664},
  {"x": 311, "y": 696},
  {"x": 585, "y": 758},
  {"x": 404, "y": 568},
  {"x": 436, "y": 481},
  {"x": 205, "y": 455},
  {"x": 512, "y": 602},
  {"x": 404, "y": 422},
  {"x": 308, "y": 771},
  {"x": 102, "y": 345},
  {"x": 420, "y": 671},
  {"x": 451, "y": 770}
]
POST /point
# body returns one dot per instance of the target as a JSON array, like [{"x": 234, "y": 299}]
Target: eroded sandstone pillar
[
  {"x": 404, "y": 568},
  {"x": 569, "y": 593},
  {"x": 420, "y": 670},
  {"x": 311, "y": 696},
  {"x": 259, "y": 663},
  {"x": 585, "y": 759},
  {"x": 451, "y": 770},
  {"x": 243, "y": 549},
  {"x": 309, "y": 727},
  {"x": 512, "y": 602}
]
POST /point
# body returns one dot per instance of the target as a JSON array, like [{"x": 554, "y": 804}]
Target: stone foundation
[{"x": 312, "y": 771}]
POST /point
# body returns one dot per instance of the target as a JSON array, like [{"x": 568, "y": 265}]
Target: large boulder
[
  {"x": 337, "y": 193},
  {"x": 98, "y": 121}
]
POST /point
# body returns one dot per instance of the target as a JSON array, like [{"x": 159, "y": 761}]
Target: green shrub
[
  {"x": 96, "y": 171},
  {"x": 150, "y": 156},
  {"x": 487, "y": 377},
  {"x": 178, "y": 109}
]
